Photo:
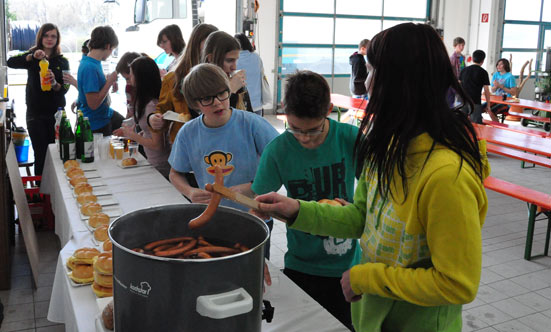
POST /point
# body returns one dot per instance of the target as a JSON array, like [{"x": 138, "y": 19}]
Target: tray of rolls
[{"x": 89, "y": 266}]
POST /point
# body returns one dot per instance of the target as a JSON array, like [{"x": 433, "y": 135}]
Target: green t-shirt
[{"x": 313, "y": 174}]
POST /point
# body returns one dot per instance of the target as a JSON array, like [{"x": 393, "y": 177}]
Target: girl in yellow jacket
[{"x": 420, "y": 203}]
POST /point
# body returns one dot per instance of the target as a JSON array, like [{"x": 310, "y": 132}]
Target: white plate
[
  {"x": 173, "y": 116},
  {"x": 111, "y": 211},
  {"x": 102, "y": 302},
  {"x": 93, "y": 182},
  {"x": 98, "y": 191},
  {"x": 141, "y": 163},
  {"x": 104, "y": 200},
  {"x": 74, "y": 284},
  {"x": 93, "y": 174}
]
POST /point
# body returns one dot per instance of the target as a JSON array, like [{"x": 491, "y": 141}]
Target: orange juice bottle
[{"x": 44, "y": 84}]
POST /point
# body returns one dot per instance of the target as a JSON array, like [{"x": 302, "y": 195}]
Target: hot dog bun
[
  {"x": 83, "y": 188},
  {"x": 129, "y": 162},
  {"x": 101, "y": 291},
  {"x": 82, "y": 274},
  {"x": 74, "y": 172},
  {"x": 70, "y": 163},
  {"x": 100, "y": 234},
  {"x": 330, "y": 202},
  {"x": 86, "y": 197},
  {"x": 97, "y": 219},
  {"x": 107, "y": 245},
  {"x": 103, "y": 280},
  {"x": 83, "y": 256},
  {"x": 103, "y": 263},
  {"x": 89, "y": 209}
]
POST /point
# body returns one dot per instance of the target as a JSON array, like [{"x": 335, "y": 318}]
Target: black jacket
[
  {"x": 359, "y": 74},
  {"x": 41, "y": 103}
]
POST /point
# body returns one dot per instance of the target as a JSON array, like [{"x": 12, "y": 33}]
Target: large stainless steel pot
[{"x": 165, "y": 294}]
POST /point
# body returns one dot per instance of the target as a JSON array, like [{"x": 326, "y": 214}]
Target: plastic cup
[
  {"x": 66, "y": 85},
  {"x": 119, "y": 152},
  {"x": 128, "y": 122}
]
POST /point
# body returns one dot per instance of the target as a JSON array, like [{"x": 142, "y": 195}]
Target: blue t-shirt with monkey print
[{"x": 236, "y": 147}]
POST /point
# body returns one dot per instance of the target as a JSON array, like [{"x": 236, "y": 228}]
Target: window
[
  {"x": 526, "y": 33},
  {"x": 320, "y": 35}
]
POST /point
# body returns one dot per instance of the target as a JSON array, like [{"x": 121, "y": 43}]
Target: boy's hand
[
  {"x": 197, "y": 195},
  {"x": 276, "y": 204},
  {"x": 156, "y": 121},
  {"x": 111, "y": 78},
  {"x": 349, "y": 294}
]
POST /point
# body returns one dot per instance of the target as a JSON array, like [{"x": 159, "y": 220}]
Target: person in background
[
  {"x": 93, "y": 86},
  {"x": 42, "y": 105},
  {"x": 171, "y": 98},
  {"x": 474, "y": 78},
  {"x": 221, "y": 136},
  {"x": 170, "y": 39},
  {"x": 223, "y": 50},
  {"x": 123, "y": 68},
  {"x": 359, "y": 71},
  {"x": 146, "y": 79},
  {"x": 458, "y": 63},
  {"x": 70, "y": 79},
  {"x": 503, "y": 84},
  {"x": 250, "y": 62},
  {"x": 314, "y": 160},
  {"x": 420, "y": 202}
]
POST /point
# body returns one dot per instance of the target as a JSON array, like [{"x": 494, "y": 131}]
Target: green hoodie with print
[{"x": 422, "y": 256}]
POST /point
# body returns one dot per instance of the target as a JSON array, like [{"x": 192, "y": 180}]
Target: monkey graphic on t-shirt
[{"x": 221, "y": 159}]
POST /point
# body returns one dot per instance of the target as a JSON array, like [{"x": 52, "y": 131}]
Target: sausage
[
  {"x": 168, "y": 247},
  {"x": 204, "y": 217},
  {"x": 154, "y": 244},
  {"x": 212, "y": 250},
  {"x": 203, "y": 255},
  {"x": 177, "y": 251}
]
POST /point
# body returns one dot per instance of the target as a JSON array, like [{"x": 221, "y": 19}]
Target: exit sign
[{"x": 485, "y": 17}]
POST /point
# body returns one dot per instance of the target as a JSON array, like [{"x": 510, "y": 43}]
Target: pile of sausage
[{"x": 188, "y": 247}]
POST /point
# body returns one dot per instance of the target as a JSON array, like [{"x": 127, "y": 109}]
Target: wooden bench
[
  {"x": 533, "y": 199},
  {"x": 355, "y": 106},
  {"x": 517, "y": 129},
  {"x": 519, "y": 155}
]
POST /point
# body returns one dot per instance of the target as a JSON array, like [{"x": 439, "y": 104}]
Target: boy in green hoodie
[{"x": 420, "y": 203}]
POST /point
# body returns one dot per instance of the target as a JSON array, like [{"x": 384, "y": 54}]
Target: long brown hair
[
  {"x": 174, "y": 35},
  {"x": 46, "y": 27},
  {"x": 147, "y": 83},
  {"x": 217, "y": 45},
  {"x": 191, "y": 55}
]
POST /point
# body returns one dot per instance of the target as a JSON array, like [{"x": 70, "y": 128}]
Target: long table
[
  {"x": 532, "y": 144},
  {"x": 137, "y": 188}
]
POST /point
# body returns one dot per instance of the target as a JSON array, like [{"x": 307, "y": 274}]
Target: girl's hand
[
  {"x": 163, "y": 72},
  {"x": 197, "y": 195},
  {"x": 156, "y": 121},
  {"x": 349, "y": 294},
  {"x": 51, "y": 77},
  {"x": 238, "y": 80},
  {"x": 126, "y": 131},
  {"x": 274, "y": 203},
  {"x": 342, "y": 201},
  {"x": 39, "y": 54}
]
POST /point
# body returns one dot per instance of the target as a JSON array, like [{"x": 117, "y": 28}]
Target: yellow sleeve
[
  {"x": 165, "y": 97},
  {"x": 451, "y": 208}
]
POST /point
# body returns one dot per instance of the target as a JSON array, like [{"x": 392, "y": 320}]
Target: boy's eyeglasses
[
  {"x": 209, "y": 100},
  {"x": 311, "y": 132}
]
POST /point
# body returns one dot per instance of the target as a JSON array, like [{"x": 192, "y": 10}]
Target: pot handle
[{"x": 225, "y": 305}]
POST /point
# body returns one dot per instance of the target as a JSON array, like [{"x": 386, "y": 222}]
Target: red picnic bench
[
  {"x": 538, "y": 203},
  {"x": 518, "y": 129},
  {"x": 355, "y": 106}
]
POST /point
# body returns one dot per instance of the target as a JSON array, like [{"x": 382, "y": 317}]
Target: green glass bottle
[
  {"x": 67, "y": 139},
  {"x": 60, "y": 132},
  {"x": 78, "y": 136},
  {"x": 88, "y": 142}
]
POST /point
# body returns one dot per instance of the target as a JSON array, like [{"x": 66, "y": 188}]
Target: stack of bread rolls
[
  {"x": 103, "y": 275},
  {"x": 80, "y": 264}
]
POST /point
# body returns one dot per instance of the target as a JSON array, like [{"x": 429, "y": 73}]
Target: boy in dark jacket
[{"x": 359, "y": 70}]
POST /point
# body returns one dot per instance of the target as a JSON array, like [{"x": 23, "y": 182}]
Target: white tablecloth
[{"x": 137, "y": 188}]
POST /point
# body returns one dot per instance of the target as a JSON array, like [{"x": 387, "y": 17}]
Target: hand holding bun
[
  {"x": 330, "y": 202},
  {"x": 78, "y": 179},
  {"x": 89, "y": 209},
  {"x": 70, "y": 163},
  {"x": 83, "y": 187},
  {"x": 129, "y": 162},
  {"x": 97, "y": 219}
]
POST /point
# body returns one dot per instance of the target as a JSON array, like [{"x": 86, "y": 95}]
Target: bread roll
[
  {"x": 104, "y": 280},
  {"x": 184, "y": 117},
  {"x": 107, "y": 245},
  {"x": 70, "y": 163},
  {"x": 101, "y": 291},
  {"x": 78, "y": 179},
  {"x": 129, "y": 162},
  {"x": 103, "y": 263},
  {"x": 330, "y": 202},
  {"x": 107, "y": 316},
  {"x": 74, "y": 172},
  {"x": 89, "y": 209},
  {"x": 97, "y": 219},
  {"x": 83, "y": 188},
  {"x": 84, "y": 256},
  {"x": 86, "y": 197},
  {"x": 82, "y": 274},
  {"x": 100, "y": 234}
]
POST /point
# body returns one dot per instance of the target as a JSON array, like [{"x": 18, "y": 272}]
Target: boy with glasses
[
  {"x": 314, "y": 161},
  {"x": 230, "y": 138}
]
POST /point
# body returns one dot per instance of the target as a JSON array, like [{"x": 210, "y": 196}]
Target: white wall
[{"x": 266, "y": 40}]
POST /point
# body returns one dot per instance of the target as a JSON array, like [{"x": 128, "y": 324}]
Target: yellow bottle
[{"x": 44, "y": 83}]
